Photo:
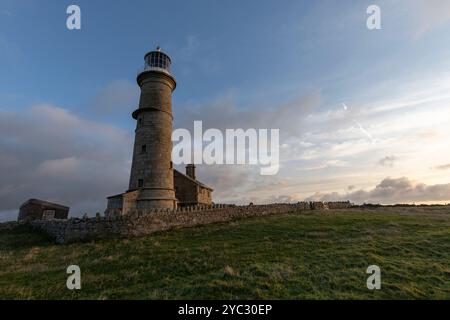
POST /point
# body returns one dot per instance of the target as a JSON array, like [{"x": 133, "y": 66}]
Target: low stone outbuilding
[{"x": 35, "y": 209}]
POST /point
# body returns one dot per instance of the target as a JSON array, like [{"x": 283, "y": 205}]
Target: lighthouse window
[
  {"x": 144, "y": 148},
  {"x": 140, "y": 183}
]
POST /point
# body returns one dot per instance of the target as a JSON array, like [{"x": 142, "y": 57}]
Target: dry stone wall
[{"x": 140, "y": 222}]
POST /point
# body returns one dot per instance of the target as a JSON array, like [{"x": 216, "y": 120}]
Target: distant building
[{"x": 35, "y": 209}]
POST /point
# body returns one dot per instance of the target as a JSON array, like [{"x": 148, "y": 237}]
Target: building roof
[
  {"x": 45, "y": 203},
  {"x": 194, "y": 180},
  {"x": 120, "y": 195}
]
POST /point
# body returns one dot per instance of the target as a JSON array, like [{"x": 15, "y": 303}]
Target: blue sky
[
  {"x": 289, "y": 63},
  {"x": 270, "y": 52}
]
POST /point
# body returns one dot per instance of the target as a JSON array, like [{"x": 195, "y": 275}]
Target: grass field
[{"x": 313, "y": 255}]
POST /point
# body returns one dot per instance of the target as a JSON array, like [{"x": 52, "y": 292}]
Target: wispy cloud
[
  {"x": 191, "y": 46},
  {"x": 117, "y": 99},
  {"x": 361, "y": 128},
  {"x": 442, "y": 167},
  {"x": 196, "y": 54},
  {"x": 223, "y": 113},
  {"x": 433, "y": 14},
  {"x": 387, "y": 161}
]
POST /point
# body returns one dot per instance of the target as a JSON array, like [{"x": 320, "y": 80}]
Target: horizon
[{"x": 363, "y": 114}]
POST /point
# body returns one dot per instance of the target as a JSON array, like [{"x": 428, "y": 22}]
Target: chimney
[{"x": 190, "y": 171}]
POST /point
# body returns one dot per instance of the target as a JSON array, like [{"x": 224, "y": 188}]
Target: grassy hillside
[{"x": 315, "y": 255}]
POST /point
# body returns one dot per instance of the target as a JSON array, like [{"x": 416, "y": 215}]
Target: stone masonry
[
  {"x": 145, "y": 222},
  {"x": 151, "y": 169}
]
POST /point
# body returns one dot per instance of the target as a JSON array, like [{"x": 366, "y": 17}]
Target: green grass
[{"x": 313, "y": 255}]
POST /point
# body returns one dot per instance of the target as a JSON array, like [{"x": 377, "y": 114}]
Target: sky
[{"x": 364, "y": 115}]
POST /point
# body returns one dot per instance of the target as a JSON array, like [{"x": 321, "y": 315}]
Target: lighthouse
[
  {"x": 154, "y": 183},
  {"x": 151, "y": 169}
]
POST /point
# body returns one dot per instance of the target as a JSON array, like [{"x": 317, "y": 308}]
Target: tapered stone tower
[{"x": 151, "y": 170}]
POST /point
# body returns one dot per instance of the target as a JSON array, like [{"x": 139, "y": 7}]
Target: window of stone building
[
  {"x": 144, "y": 148},
  {"x": 140, "y": 183},
  {"x": 48, "y": 214}
]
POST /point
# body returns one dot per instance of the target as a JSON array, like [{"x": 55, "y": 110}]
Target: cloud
[
  {"x": 432, "y": 14},
  {"x": 189, "y": 53},
  {"x": 228, "y": 181},
  {"x": 191, "y": 46},
  {"x": 442, "y": 167},
  {"x": 59, "y": 167},
  {"x": 391, "y": 191},
  {"x": 119, "y": 98},
  {"x": 323, "y": 147},
  {"x": 361, "y": 128},
  {"x": 48, "y": 152},
  {"x": 387, "y": 161},
  {"x": 235, "y": 183},
  {"x": 223, "y": 113}
]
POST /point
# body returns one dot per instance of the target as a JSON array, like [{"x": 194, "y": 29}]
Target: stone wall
[
  {"x": 203, "y": 195},
  {"x": 339, "y": 205},
  {"x": 129, "y": 201},
  {"x": 140, "y": 222}
]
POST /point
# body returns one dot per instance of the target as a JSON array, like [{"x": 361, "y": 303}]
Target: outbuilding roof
[
  {"x": 193, "y": 180},
  {"x": 44, "y": 203}
]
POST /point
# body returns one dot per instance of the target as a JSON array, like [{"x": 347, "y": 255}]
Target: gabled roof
[
  {"x": 193, "y": 180},
  {"x": 45, "y": 203}
]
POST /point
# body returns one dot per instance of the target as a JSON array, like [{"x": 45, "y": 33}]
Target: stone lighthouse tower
[
  {"x": 153, "y": 177},
  {"x": 151, "y": 169}
]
